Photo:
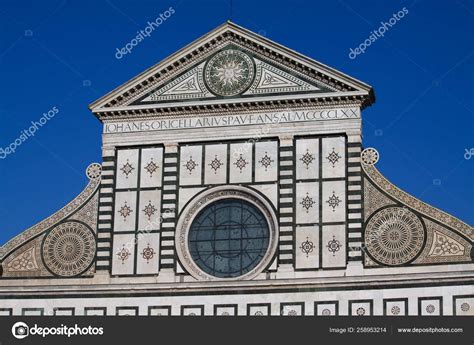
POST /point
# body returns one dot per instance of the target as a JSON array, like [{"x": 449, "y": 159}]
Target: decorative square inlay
[
  {"x": 307, "y": 202},
  {"x": 334, "y": 245},
  {"x": 148, "y": 253},
  {"x": 307, "y": 247},
  {"x": 149, "y": 210},
  {"x": 123, "y": 254},
  {"x": 334, "y": 201},
  {"x": 240, "y": 163},
  {"x": 307, "y": 158},
  {"x": 127, "y": 169},
  {"x": 191, "y": 164},
  {"x": 266, "y": 161},
  {"x": 151, "y": 167},
  {"x": 333, "y": 157},
  {"x": 215, "y": 164},
  {"x": 125, "y": 211}
]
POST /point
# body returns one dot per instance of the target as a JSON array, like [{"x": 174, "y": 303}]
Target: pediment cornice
[{"x": 320, "y": 83}]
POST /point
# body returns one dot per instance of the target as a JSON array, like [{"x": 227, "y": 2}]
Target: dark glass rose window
[{"x": 228, "y": 238}]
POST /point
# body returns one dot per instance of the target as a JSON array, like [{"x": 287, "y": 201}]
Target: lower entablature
[{"x": 436, "y": 301}]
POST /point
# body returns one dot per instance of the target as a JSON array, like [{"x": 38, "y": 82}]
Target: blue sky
[{"x": 61, "y": 54}]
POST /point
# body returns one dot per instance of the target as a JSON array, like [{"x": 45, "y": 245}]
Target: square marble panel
[
  {"x": 307, "y": 202},
  {"x": 334, "y": 157},
  {"x": 266, "y": 161},
  {"x": 225, "y": 310},
  {"x": 63, "y": 311},
  {"x": 148, "y": 253},
  {"x": 32, "y": 311},
  {"x": 192, "y": 310},
  {"x": 360, "y": 308},
  {"x": 151, "y": 167},
  {"x": 430, "y": 306},
  {"x": 326, "y": 308},
  {"x": 464, "y": 306},
  {"x": 215, "y": 171},
  {"x": 95, "y": 311},
  {"x": 307, "y": 159},
  {"x": 186, "y": 194},
  {"x": 127, "y": 168},
  {"x": 292, "y": 309},
  {"x": 270, "y": 191},
  {"x": 334, "y": 246},
  {"x": 126, "y": 311},
  {"x": 396, "y": 307},
  {"x": 149, "y": 217},
  {"x": 307, "y": 247},
  {"x": 123, "y": 255},
  {"x": 334, "y": 201},
  {"x": 164, "y": 310},
  {"x": 6, "y": 311},
  {"x": 263, "y": 309},
  {"x": 190, "y": 165},
  {"x": 240, "y": 161},
  {"x": 125, "y": 213}
]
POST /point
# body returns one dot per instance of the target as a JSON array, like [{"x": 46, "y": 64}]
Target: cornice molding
[{"x": 343, "y": 86}]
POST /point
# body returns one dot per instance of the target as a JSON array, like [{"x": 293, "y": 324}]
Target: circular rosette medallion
[
  {"x": 394, "y": 236},
  {"x": 229, "y": 72},
  {"x": 69, "y": 249}
]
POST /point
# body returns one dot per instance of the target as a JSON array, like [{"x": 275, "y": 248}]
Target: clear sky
[{"x": 62, "y": 54}]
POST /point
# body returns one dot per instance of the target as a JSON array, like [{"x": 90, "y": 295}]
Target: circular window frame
[{"x": 204, "y": 199}]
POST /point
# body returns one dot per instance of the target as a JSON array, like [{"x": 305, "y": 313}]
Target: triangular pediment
[
  {"x": 190, "y": 85},
  {"x": 231, "y": 73},
  {"x": 231, "y": 65}
]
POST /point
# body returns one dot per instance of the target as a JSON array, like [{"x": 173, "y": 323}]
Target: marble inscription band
[{"x": 232, "y": 120}]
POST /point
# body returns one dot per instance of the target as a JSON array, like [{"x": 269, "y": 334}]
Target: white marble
[
  {"x": 148, "y": 253},
  {"x": 151, "y": 157},
  {"x": 123, "y": 254},
  {"x": 127, "y": 161},
  {"x": 430, "y": 307},
  {"x": 186, "y": 194},
  {"x": 190, "y": 165},
  {"x": 307, "y": 159},
  {"x": 270, "y": 191},
  {"x": 216, "y": 164},
  {"x": 307, "y": 202},
  {"x": 326, "y": 309},
  {"x": 334, "y": 253},
  {"x": 149, "y": 209},
  {"x": 266, "y": 161},
  {"x": 240, "y": 160},
  {"x": 307, "y": 247},
  {"x": 125, "y": 213},
  {"x": 333, "y": 148},
  {"x": 334, "y": 201}
]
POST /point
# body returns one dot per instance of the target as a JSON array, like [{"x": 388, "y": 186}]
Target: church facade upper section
[
  {"x": 235, "y": 169},
  {"x": 231, "y": 68}
]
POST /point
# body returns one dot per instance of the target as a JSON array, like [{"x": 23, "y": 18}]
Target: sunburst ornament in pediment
[{"x": 229, "y": 72}]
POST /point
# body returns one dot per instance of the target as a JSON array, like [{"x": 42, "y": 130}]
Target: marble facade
[{"x": 234, "y": 115}]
